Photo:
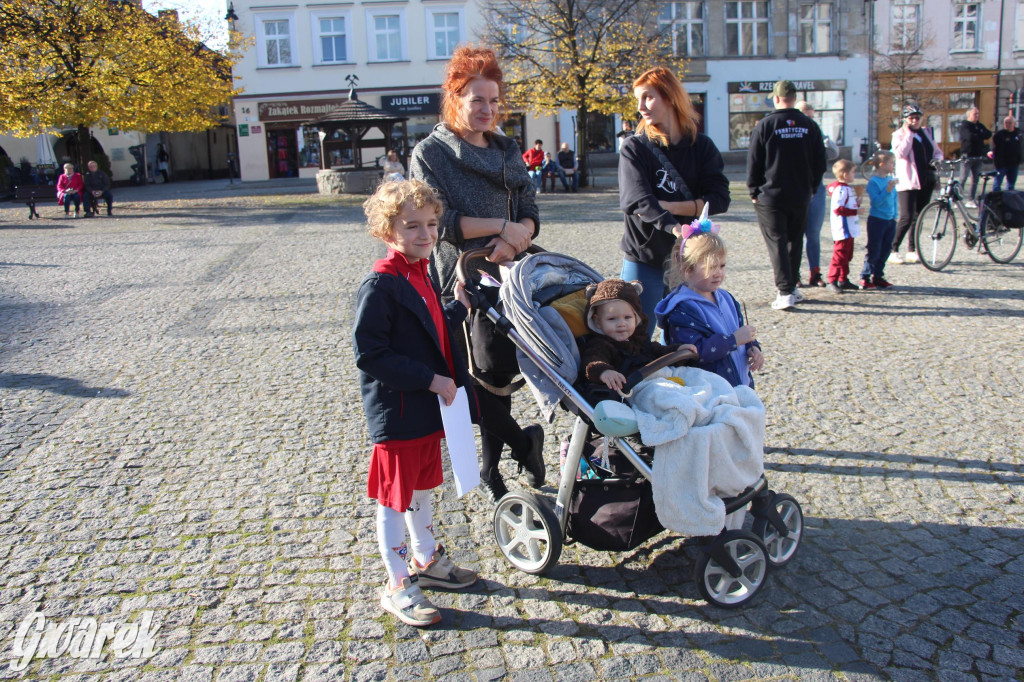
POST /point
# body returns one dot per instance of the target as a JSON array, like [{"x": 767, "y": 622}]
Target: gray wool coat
[{"x": 472, "y": 181}]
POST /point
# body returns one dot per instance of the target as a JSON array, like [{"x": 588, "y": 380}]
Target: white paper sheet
[{"x": 458, "y": 432}]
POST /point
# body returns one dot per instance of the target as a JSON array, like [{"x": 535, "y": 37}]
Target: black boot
[
  {"x": 533, "y": 459},
  {"x": 493, "y": 489}
]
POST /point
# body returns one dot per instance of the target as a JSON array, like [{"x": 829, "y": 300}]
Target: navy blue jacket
[{"x": 398, "y": 353}]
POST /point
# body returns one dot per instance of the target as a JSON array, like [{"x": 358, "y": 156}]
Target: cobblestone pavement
[{"x": 181, "y": 433}]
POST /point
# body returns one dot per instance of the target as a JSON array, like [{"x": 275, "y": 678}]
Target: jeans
[
  {"x": 575, "y": 176},
  {"x": 974, "y": 168},
  {"x": 910, "y": 203},
  {"x": 69, "y": 198},
  {"x": 783, "y": 231},
  {"x": 812, "y": 234},
  {"x": 1010, "y": 173},
  {"x": 653, "y": 281},
  {"x": 92, "y": 204},
  {"x": 538, "y": 177},
  {"x": 880, "y": 233}
]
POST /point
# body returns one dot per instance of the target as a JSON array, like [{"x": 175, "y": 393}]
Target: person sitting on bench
[
  {"x": 70, "y": 188},
  {"x": 97, "y": 186}
]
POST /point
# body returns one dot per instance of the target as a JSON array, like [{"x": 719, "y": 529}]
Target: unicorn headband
[{"x": 701, "y": 225}]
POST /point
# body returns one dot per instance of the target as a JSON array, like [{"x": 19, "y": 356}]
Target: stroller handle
[
  {"x": 470, "y": 255},
  {"x": 681, "y": 355}
]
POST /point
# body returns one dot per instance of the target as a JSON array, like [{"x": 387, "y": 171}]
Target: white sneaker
[
  {"x": 408, "y": 603},
  {"x": 797, "y": 296},
  {"x": 911, "y": 257},
  {"x": 783, "y": 302},
  {"x": 895, "y": 258},
  {"x": 970, "y": 204}
]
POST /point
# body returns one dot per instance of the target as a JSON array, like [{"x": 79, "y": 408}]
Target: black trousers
[
  {"x": 497, "y": 427},
  {"x": 910, "y": 203},
  {"x": 783, "y": 230}
]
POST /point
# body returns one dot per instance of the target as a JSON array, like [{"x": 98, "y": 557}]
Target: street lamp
[{"x": 231, "y": 16}]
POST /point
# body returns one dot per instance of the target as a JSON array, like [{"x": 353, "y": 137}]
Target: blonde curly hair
[{"x": 387, "y": 202}]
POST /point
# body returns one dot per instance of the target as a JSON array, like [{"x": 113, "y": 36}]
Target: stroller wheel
[
  {"x": 731, "y": 569},
  {"x": 781, "y": 548},
  {"x": 528, "y": 532}
]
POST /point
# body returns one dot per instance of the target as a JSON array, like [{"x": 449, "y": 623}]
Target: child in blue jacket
[
  {"x": 402, "y": 342},
  {"x": 881, "y": 221},
  {"x": 700, "y": 312}
]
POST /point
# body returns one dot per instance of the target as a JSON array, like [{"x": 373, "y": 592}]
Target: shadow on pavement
[{"x": 55, "y": 384}]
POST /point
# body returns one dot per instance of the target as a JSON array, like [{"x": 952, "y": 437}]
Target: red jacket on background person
[
  {"x": 69, "y": 184},
  {"x": 533, "y": 158}
]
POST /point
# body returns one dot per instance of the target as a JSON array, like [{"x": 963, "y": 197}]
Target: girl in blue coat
[
  {"x": 700, "y": 312},
  {"x": 402, "y": 341}
]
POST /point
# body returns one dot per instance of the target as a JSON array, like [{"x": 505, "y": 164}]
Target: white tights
[{"x": 391, "y": 529}]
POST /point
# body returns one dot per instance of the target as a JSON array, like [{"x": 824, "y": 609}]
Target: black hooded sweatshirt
[{"x": 786, "y": 159}]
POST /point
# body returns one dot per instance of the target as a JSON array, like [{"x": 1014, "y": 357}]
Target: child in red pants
[{"x": 843, "y": 218}]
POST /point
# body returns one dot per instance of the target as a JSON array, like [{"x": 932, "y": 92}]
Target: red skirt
[{"x": 398, "y": 467}]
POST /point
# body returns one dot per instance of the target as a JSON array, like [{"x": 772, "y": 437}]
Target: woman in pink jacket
[
  {"x": 915, "y": 151},
  {"x": 70, "y": 187}
]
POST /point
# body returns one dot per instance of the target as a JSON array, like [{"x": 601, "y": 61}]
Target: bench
[{"x": 29, "y": 194}]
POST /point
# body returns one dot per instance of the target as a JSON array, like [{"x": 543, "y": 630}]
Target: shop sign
[
  {"x": 428, "y": 103},
  {"x": 256, "y": 130},
  {"x": 768, "y": 86},
  {"x": 296, "y": 110},
  {"x": 243, "y": 130}
]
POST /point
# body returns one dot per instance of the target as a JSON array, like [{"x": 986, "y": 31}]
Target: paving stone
[{"x": 212, "y": 469}]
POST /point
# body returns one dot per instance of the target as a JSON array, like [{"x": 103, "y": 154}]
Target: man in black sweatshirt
[
  {"x": 785, "y": 164},
  {"x": 973, "y": 149}
]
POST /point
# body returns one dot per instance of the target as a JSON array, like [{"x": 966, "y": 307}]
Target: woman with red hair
[
  {"x": 667, "y": 173},
  {"x": 489, "y": 201}
]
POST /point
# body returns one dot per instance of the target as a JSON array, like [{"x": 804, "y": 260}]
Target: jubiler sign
[{"x": 297, "y": 110}]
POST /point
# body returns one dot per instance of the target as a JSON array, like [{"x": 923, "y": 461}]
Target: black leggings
[
  {"x": 910, "y": 203},
  {"x": 497, "y": 427}
]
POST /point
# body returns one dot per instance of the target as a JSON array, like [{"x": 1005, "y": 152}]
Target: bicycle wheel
[
  {"x": 866, "y": 169},
  {"x": 935, "y": 235},
  {"x": 1001, "y": 243}
]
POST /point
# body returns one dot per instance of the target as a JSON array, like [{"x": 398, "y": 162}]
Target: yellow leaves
[{"x": 82, "y": 62}]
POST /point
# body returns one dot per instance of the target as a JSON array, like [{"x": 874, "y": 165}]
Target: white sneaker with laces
[
  {"x": 895, "y": 258},
  {"x": 911, "y": 257},
  {"x": 797, "y": 296},
  {"x": 783, "y": 302}
]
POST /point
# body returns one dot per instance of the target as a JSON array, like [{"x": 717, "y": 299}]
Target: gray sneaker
[
  {"x": 408, "y": 603},
  {"x": 442, "y": 572}
]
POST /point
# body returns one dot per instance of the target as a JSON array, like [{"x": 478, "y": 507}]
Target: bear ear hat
[
  {"x": 636, "y": 284},
  {"x": 591, "y": 289}
]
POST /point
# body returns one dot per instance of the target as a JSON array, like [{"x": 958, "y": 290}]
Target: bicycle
[
  {"x": 935, "y": 233},
  {"x": 866, "y": 168}
]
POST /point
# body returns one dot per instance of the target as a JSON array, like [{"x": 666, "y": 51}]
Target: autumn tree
[
  {"x": 105, "y": 63},
  {"x": 575, "y": 54}
]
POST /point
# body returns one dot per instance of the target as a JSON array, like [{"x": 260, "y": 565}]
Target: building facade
[
  {"x": 739, "y": 48},
  {"x": 947, "y": 56}
]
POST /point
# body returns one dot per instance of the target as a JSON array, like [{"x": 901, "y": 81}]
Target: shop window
[
  {"x": 275, "y": 40},
  {"x": 386, "y": 32},
  {"x": 815, "y": 27},
  {"x": 747, "y": 108},
  {"x": 309, "y": 147},
  {"x": 746, "y": 28},
  {"x": 1018, "y": 32},
  {"x": 906, "y": 27},
  {"x": 331, "y": 37},
  {"x": 683, "y": 22},
  {"x": 445, "y": 28},
  {"x": 966, "y": 17}
]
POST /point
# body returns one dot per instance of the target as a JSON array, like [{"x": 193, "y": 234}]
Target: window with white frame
[
  {"x": 684, "y": 24},
  {"x": 385, "y": 29},
  {"x": 746, "y": 27},
  {"x": 966, "y": 17},
  {"x": 815, "y": 28},
  {"x": 906, "y": 27},
  {"x": 1018, "y": 33},
  {"x": 274, "y": 38},
  {"x": 331, "y": 37},
  {"x": 445, "y": 29}
]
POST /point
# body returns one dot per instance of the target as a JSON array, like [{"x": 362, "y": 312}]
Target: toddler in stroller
[{"x": 611, "y": 507}]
